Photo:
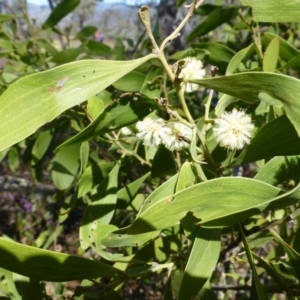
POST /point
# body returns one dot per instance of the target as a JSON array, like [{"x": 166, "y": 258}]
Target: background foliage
[{"x": 89, "y": 212}]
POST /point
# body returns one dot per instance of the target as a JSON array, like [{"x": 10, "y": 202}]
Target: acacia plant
[{"x": 186, "y": 163}]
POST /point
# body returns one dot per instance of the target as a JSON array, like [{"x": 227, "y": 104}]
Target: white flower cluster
[
  {"x": 193, "y": 69},
  {"x": 233, "y": 129},
  {"x": 125, "y": 131},
  {"x": 174, "y": 136}
]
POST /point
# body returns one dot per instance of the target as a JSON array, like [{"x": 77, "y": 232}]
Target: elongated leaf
[
  {"x": 167, "y": 188},
  {"x": 223, "y": 102},
  {"x": 214, "y": 20},
  {"x": 37, "y": 99},
  {"x": 100, "y": 231},
  {"x": 95, "y": 106},
  {"x": 293, "y": 63},
  {"x": 132, "y": 82},
  {"x": 275, "y": 276},
  {"x": 216, "y": 203},
  {"x": 277, "y": 138},
  {"x": 7, "y": 284},
  {"x": 280, "y": 169},
  {"x": 41, "y": 144},
  {"x": 187, "y": 177},
  {"x": 86, "y": 32},
  {"x": 127, "y": 193},
  {"x": 293, "y": 255},
  {"x": 122, "y": 240},
  {"x": 65, "y": 166},
  {"x": 118, "y": 114},
  {"x": 271, "y": 56},
  {"x": 202, "y": 261},
  {"x": 238, "y": 58},
  {"x": 60, "y": 11},
  {"x": 84, "y": 156},
  {"x": 163, "y": 163},
  {"x": 247, "y": 86},
  {"x": 274, "y": 10},
  {"x": 48, "y": 265},
  {"x": 215, "y": 53},
  {"x": 6, "y": 17},
  {"x": 286, "y": 50},
  {"x": 258, "y": 286},
  {"x": 207, "y": 293},
  {"x": 101, "y": 209},
  {"x": 92, "y": 176},
  {"x": 207, "y": 9}
]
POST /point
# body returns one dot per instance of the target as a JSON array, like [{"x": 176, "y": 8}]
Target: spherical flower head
[
  {"x": 151, "y": 131},
  {"x": 178, "y": 137},
  {"x": 192, "y": 70},
  {"x": 233, "y": 130},
  {"x": 126, "y": 131}
]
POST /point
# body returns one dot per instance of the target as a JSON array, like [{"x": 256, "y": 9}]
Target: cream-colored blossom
[
  {"x": 126, "y": 131},
  {"x": 178, "y": 137},
  {"x": 193, "y": 69},
  {"x": 233, "y": 130},
  {"x": 151, "y": 131}
]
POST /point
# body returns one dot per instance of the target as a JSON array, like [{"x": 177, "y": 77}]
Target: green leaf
[
  {"x": 187, "y": 178},
  {"x": 223, "y": 102},
  {"x": 206, "y": 293},
  {"x": 202, "y": 261},
  {"x": 98, "y": 48},
  {"x": 59, "y": 12},
  {"x": 247, "y": 86},
  {"x": 271, "y": 56},
  {"x": 294, "y": 257},
  {"x": 7, "y": 284},
  {"x": 92, "y": 176},
  {"x": 86, "y": 32},
  {"x": 269, "y": 100},
  {"x": 214, "y": 20},
  {"x": 275, "y": 276},
  {"x": 276, "y": 138},
  {"x": 217, "y": 203},
  {"x": 6, "y": 17},
  {"x": 41, "y": 144},
  {"x": 279, "y": 170},
  {"x": 37, "y": 99},
  {"x": 84, "y": 156},
  {"x": 258, "y": 286},
  {"x": 274, "y": 10},
  {"x": 164, "y": 190},
  {"x": 118, "y": 114},
  {"x": 127, "y": 194},
  {"x": 163, "y": 163},
  {"x": 287, "y": 51},
  {"x": 13, "y": 159},
  {"x": 207, "y": 9},
  {"x": 123, "y": 240},
  {"x": 152, "y": 84},
  {"x": 293, "y": 63},
  {"x": 48, "y": 265},
  {"x": 65, "y": 166},
  {"x": 100, "y": 211},
  {"x": 238, "y": 58},
  {"x": 131, "y": 82},
  {"x": 95, "y": 106},
  {"x": 100, "y": 231},
  {"x": 67, "y": 55},
  {"x": 215, "y": 53}
]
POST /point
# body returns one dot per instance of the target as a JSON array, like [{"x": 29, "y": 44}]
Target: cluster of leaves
[{"x": 149, "y": 211}]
